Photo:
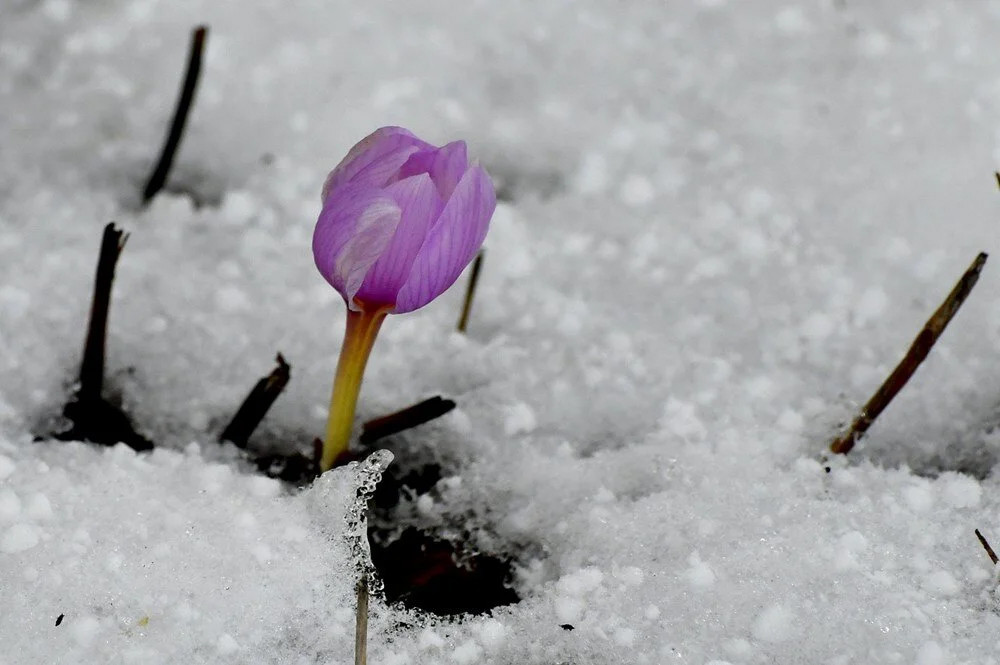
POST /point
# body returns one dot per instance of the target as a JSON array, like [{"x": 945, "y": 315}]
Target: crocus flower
[{"x": 401, "y": 219}]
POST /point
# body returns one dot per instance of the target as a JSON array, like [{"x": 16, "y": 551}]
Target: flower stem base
[{"x": 362, "y": 328}]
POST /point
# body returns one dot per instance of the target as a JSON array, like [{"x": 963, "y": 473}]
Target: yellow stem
[{"x": 362, "y": 327}]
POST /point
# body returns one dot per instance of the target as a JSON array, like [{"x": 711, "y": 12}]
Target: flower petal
[
  {"x": 352, "y": 231},
  {"x": 446, "y": 165},
  {"x": 421, "y": 205},
  {"x": 374, "y": 158},
  {"x": 452, "y": 242}
]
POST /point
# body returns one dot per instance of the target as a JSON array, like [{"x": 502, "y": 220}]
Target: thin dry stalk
[
  {"x": 159, "y": 175},
  {"x": 470, "y": 291},
  {"x": 94, "y": 418},
  {"x": 92, "y": 367},
  {"x": 911, "y": 361},
  {"x": 404, "y": 419},
  {"x": 256, "y": 404},
  {"x": 361, "y": 625}
]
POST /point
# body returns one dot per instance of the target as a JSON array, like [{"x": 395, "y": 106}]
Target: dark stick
[
  {"x": 256, "y": 405},
  {"x": 94, "y": 418},
  {"x": 92, "y": 367},
  {"x": 361, "y": 624},
  {"x": 986, "y": 546},
  {"x": 159, "y": 175},
  {"x": 470, "y": 291},
  {"x": 411, "y": 416},
  {"x": 918, "y": 351}
]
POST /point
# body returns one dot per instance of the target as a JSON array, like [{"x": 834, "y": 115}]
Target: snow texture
[{"x": 721, "y": 223}]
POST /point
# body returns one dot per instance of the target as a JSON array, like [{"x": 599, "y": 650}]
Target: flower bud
[{"x": 401, "y": 219}]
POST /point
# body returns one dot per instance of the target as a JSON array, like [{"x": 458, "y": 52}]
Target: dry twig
[
  {"x": 911, "y": 361},
  {"x": 986, "y": 546},
  {"x": 92, "y": 367},
  {"x": 159, "y": 175},
  {"x": 411, "y": 416},
  {"x": 94, "y": 418},
  {"x": 256, "y": 404}
]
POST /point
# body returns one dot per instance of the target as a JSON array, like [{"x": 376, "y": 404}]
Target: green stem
[{"x": 362, "y": 327}]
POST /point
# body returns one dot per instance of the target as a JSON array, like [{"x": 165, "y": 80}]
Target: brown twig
[
  {"x": 911, "y": 361},
  {"x": 986, "y": 546},
  {"x": 159, "y": 175},
  {"x": 256, "y": 404},
  {"x": 411, "y": 416},
  {"x": 361, "y": 625},
  {"x": 470, "y": 291}
]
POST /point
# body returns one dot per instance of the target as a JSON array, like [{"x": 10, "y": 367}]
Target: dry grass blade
[
  {"x": 986, "y": 546},
  {"x": 916, "y": 354},
  {"x": 470, "y": 291}
]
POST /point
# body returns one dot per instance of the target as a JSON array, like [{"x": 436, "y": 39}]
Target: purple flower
[{"x": 401, "y": 219}]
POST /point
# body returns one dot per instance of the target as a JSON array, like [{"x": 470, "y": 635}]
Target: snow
[
  {"x": 721, "y": 225},
  {"x": 774, "y": 624},
  {"x": 931, "y": 653},
  {"x": 18, "y": 538}
]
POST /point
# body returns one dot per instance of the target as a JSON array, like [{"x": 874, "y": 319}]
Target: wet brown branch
[
  {"x": 256, "y": 404},
  {"x": 411, "y": 416},
  {"x": 918, "y": 351},
  {"x": 470, "y": 291},
  {"x": 159, "y": 175}
]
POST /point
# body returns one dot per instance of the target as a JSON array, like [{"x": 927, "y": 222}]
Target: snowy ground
[{"x": 723, "y": 222}]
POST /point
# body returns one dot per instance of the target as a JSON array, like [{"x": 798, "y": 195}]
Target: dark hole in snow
[
  {"x": 99, "y": 421},
  {"x": 296, "y": 469},
  {"x": 423, "y": 570},
  {"x": 419, "y": 567},
  {"x": 436, "y": 575}
]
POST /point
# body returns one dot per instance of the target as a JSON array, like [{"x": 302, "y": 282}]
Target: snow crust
[{"x": 722, "y": 224}]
